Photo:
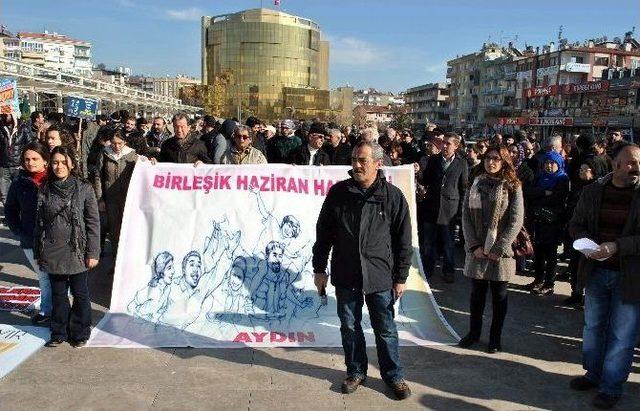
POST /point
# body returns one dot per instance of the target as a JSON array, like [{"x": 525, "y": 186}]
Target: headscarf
[{"x": 546, "y": 180}]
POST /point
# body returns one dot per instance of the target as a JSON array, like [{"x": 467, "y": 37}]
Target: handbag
[
  {"x": 545, "y": 215},
  {"x": 522, "y": 245}
]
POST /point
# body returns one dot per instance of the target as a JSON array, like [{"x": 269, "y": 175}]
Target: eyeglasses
[
  {"x": 243, "y": 137},
  {"x": 492, "y": 158}
]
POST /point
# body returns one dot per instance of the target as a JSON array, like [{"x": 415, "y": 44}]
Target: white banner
[{"x": 220, "y": 256}]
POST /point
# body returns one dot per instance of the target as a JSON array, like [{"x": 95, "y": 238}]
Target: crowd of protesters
[{"x": 64, "y": 188}]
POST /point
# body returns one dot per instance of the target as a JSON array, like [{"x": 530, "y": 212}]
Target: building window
[
  {"x": 602, "y": 61},
  {"x": 577, "y": 59}
]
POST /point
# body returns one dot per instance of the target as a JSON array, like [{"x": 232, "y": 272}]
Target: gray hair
[
  {"x": 240, "y": 128},
  {"x": 370, "y": 134},
  {"x": 377, "y": 152},
  {"x": 180, "y": 116},
  {"x": 552, "y": 140}
]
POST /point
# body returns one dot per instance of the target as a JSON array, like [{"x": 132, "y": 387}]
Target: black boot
[{"x": 468, "y": 340}]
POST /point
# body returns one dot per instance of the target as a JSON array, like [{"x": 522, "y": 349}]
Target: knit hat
[{"x": 555, "y": 157}]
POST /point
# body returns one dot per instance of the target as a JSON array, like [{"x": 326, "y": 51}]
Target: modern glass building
[{"x": 272, "y": 64}]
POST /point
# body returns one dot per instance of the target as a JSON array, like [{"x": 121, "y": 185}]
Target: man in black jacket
[
  {"x": 365, "y": 220},
  {"x": 184, "y": 146},
  {"x": 339, "y": 152},
  {"x": 445, "y": 180},
  {"x": 311, "y": 153}
]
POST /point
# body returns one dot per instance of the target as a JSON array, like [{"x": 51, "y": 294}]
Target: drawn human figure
[
  {"x": 285, "y": 231},
  {"x": 272, "y": 286},
  {"x": 237, "y": 302},
  {"x": 182, "y": 307},
  {"x": 150, "y": 302}
]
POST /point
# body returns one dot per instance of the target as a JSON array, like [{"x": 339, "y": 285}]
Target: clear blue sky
[{"x": 387, "y": 44}]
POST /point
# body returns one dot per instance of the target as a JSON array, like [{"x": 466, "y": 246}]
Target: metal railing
[{"x": 43, "y": 80}]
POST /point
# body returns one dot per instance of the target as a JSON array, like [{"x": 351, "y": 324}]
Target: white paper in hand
[{"x": 586, "y": 246}]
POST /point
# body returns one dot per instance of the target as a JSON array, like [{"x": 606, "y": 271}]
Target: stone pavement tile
[
  {"x": 305, "y": 379},
  {"x": 199, "y": 397},
  {"x": 72, "y": 395},
  {"x": 296, "y": 400},
  {"x": 211, "y": 357},
  {"x": 299, "y": 357},
  {"x": 244, "y": 377}
]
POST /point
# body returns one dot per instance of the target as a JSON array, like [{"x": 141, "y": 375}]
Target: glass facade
[{"x": 261, "y": 53}]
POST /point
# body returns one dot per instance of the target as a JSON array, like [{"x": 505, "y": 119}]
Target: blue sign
[{"x": 85, "y": 108}]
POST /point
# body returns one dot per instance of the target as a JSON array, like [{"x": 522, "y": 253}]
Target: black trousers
[
  {"x": 545, "y": 260},
  {"x": 499, "y": 302},
  {"x": 573, "y": 270},
  {"x": 70, "y": 321}
]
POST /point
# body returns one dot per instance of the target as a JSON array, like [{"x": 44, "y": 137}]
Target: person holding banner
[
  {"x": 241, "y": 151},
  {"x": 20, "y": 210},
  {"x": 365, "y": 221},
  {"x": 67, "y": 246},
  {"x": 184, "y": 146}
]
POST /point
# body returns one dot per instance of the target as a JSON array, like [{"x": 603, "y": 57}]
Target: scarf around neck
[
  {"x": 497, "y": 193},
  {"x": 38, "y": 178}
]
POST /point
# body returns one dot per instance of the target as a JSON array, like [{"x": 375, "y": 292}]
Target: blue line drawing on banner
[
  {"x": 226, "y": 285},
  {"x": 150, "y": 302},
  {"x": 285, "y": 231}
]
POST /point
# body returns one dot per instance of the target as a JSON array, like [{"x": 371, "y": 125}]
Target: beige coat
[
  {"x": 250, "y": 156},
  {"x": 475, "y": 224}
]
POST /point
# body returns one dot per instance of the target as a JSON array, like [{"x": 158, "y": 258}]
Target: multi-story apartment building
[
  {"x": 9, "y": 44},
  {"x": 465, "y": 95},
  {"x": 373, "y": 97},
  {"x": 428, "y": 103},
  {"x": 57, "y": 52}
]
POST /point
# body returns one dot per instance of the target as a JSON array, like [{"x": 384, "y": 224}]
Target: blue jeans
[
  {"x": 610, "y": 331},
  {"x": 7, "y": 174},
  {"x": 381, "y": 313},
  {"x": 46, "y": 302},
  {"x": 437, "y": 237}
]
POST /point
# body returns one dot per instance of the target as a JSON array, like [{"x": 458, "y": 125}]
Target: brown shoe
[
  {"x": 401, "y": 390},
  {"x": 350, "y": 384}
]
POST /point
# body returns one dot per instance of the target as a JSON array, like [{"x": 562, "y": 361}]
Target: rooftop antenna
[{"x": 560, "y": 33}]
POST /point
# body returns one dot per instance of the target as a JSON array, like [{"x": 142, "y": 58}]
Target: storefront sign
[
  {"x": 590, "y": 87},
  {"x": 547, "y": 71},
  {"x": 576, "y": 67},
  {"x": 541, "y": 91},
  {"x": 551, "y": 121},
  {"x": 9, "y": 96},
  {"x": 512, "y": 121}
]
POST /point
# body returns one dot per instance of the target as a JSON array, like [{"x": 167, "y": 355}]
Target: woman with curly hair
[{"x": 492, "y": 216}]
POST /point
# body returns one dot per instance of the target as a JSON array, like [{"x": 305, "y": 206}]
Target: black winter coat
[
  {"x": 536, "y": 198},
  {"x": 67, "y": 229},
  {"x": 370, "y": 234},
  {"x": 301, "y": 157},
  {"x": 188, "y": 150},
  {"x": 11, "y": 146},
  {"x": 339, "y": 156},
  {"x": 20, "y": 208}
]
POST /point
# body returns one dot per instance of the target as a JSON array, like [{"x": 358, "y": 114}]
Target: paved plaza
[{"x": 541, "y": 342}]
